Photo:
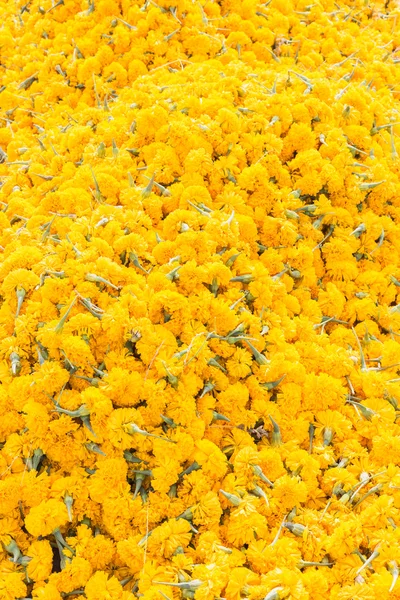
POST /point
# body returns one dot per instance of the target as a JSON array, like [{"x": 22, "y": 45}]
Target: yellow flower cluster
[{"x": 200, "y": 299}]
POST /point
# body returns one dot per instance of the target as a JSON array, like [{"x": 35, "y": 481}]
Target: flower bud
[
  {"x": 68, "y": 501},
  {"x": 218, "y": 417},
  {"x": 328, "y": 436},
  {"x": 258, "y": 473},
  {"x": 276, "y": 438},
  {"x": 21, "y": 293},
  {"x": 245, "y": 278},
  {"x": 394, "y": 570},
  {"x": 15, "y": 364},
  {"x": 235, "y": 500},
  {"x": 274, "y": 594},
  {"x": 270, "y": 385},
  {"x": 296, "y": 528},
  {"x": 12, "y": 548}
]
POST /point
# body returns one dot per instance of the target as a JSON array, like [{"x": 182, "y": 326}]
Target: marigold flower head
[{"x": 46, "y": 517}]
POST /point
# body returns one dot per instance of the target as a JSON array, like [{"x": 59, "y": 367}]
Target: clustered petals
[{"x": 199, "y": 300}]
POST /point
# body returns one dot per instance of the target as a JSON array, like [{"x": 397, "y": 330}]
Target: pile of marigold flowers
[{"x": 200, "y": 299}]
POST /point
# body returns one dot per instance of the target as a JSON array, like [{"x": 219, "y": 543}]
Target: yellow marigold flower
[
  {"x": 75, "y": 574},
  {"x": 122, "y": 386},
  {"x": 40, "y": 567},
  {"x": 46, "y": 517},
  {"x": 210, "y": 458},
  {"x": 12, "y": 585},
  {"x": 322, "y": 391},
  {"x": 166, "y": 538},
  {"x": 47, "y": 592},
  {"x": 100, "y": 552},
  {"x": 101, "y": 587},
  {"x": 289, "y": 491},
  {"x": 240, "y": 577},
  {"x": 109, "y": 474},
  {"x": 195, "y": 486},
  {"x": 208, "y": 511},
  {"x": 19, "y": 282}
]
